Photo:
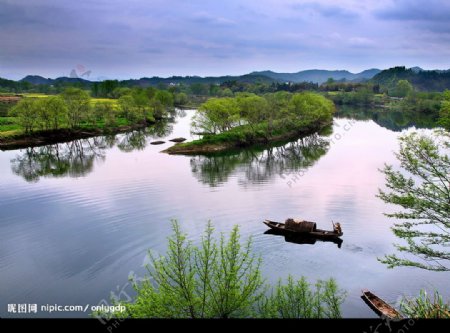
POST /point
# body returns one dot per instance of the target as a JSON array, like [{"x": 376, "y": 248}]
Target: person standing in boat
[{"x": 337, "y": 228}]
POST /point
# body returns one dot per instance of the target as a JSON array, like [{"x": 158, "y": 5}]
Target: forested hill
[
  {"x": 320, "y": 76},
  {"x": 314, "y": 76},
  {"x": 154, "y": 81},
  {"x": 422, "y": 80}
]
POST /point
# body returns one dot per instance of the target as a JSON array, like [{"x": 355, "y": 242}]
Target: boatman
[{"x": 337, "y": 228}]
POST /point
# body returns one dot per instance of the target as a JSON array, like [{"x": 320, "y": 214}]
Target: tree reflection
[
  {"x": 74, "y": 159},
  {"x": 135, "y": 140},
  {"x": 261, "y": 164},
  {"x": 160, "y": 129},
  {"x": 392, "y": 120}
]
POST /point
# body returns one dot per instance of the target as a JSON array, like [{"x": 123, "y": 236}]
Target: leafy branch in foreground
[
  {"x": 425, "y": 199},
  {"x": 222, "y": 279},
  {"x": 425, "y": 307}
]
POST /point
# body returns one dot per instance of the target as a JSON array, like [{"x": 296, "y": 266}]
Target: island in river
[{"x": 248, "y": 119}]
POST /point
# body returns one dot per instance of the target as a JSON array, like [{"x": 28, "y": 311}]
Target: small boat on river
[
  {"x": 308, "y": 228},
  {"x": 379, "y": 306}
]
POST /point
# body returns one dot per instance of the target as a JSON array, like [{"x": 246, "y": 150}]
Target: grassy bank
[
  {"x": 16, "y": 139},
  {"x": 240, "y": 137}
]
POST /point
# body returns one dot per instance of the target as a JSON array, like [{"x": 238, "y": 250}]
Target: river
[{"x": 76, "y": 219}]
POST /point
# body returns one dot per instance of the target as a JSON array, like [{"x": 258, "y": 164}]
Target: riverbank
[
  {"x": 42, "y": 138},
  {"x": 234, "y": 139}
]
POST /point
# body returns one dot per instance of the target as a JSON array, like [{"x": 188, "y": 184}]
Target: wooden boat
[
  {"x": 303, "y": 227},
  {"x": 379, "y": 306}
]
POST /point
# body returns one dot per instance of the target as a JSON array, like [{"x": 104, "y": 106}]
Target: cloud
[
  {"x": 206, "y": 18},
  {"x": 205, "y": 37},
  {"x": 416, "y": 10},
  {"x": 325, "y": 10}
]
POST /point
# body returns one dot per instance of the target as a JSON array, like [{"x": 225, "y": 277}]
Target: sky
[{"x": 143, "y": 38}]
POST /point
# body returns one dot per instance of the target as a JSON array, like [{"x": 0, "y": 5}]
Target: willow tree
[{"x": 422, "y": 189}]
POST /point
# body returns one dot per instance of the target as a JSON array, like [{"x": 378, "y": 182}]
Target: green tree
[
  {"x": 214, "y": 280},
  {"x": 298, "y": 299},
  {"x": 164, "y": 97},
  {"x": 222, "y": 279},
  {"x": 58, "y": 111},
  {"x": 181, "y": 99},
  {"x": 403, "y": 88},
  {"x": 105, "y": 111},
  {"x": 216, "y": 115},
  {"x": 142, "y": 102},
  {"x": 26, "y": 112},
  {"x": 309, "y": 109},
  {"x": 78, "y": 105},
  {"x": 424, "y": 195},
  {"x": 444, "y": 114},
  {"x": 252, "y": 108},
  {"x": 44, "y": 115},
  {"x": 129, "y": 109}
]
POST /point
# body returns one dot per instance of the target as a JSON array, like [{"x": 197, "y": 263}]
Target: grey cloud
[
  {"x": 416, "y": 10},
  {"x": 327, "y": 11},
  {"x": 206, "y": 18}
]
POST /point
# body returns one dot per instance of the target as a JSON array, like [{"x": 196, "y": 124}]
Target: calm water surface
[{"x": 77, "y": 219}]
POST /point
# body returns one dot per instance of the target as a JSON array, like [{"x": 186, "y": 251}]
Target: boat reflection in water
[{"x": 303, "y": 239}]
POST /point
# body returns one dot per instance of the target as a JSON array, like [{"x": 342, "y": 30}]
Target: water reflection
[
  {"x": 260, "y": 164},
  {"x": 392, "y": 120},
  {"x": 74, "y": 159},
  {"x": 303, "y": 239}
]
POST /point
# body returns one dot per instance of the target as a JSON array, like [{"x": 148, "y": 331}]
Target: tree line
[
  {"x": 74, "y": 108},
  {"x": 270, "y": 113}
]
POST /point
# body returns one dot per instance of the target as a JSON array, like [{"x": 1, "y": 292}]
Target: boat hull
[
  {"x": 318, "y": 233},
  {"x": 379, "y": 306}
]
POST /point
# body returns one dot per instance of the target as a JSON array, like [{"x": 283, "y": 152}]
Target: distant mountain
[
  {"x": 416, "y": 69},
  {"x": 319, "y": 76},
  {"x": 36, "y": 79},
  {"x": 154, "y": 81}
]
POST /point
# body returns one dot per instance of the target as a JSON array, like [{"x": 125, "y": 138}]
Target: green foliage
[
  {"x": 104, "y": 111},
  {"x": 181, "y": 99},
  {"x": 214, "y": 280},
  {"x": 277, "y": 111},
  {"x": 52, "y": 111},
  {"x": 421, "y": 81},
  {"x": 402, "y": 89},
  {"x": 221, "y": 279},
  {"x": 298, "y": 299},
  {"x": 307, "y": 109},
  {"x": 425, "y": 307},
  {"x": 78, "y": 105},
  {"x": 444, "y": 114},
  {"x": 164, "y": 97},
  {"x": 425, "y": 199},
  {"x": 216, "y": 115},
  {"x": 27, "y": 114}
]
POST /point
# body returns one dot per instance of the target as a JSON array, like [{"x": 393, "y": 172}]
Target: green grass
[
  {"x": 35, "y": 95},
  {"x": 95, "y": 100},
  {"x": 9, "y": 126}
]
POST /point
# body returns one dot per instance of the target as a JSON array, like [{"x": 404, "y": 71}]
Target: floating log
[{"x": 157, "y": 142}]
